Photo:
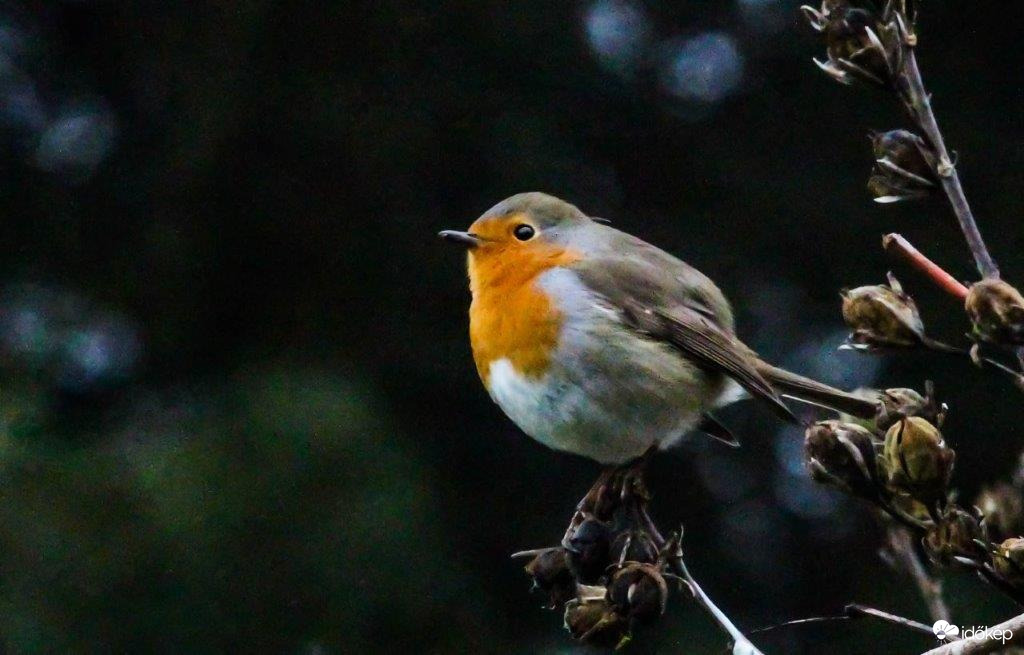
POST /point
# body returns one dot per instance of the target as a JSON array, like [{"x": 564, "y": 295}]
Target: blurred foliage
[
  {"x": 274, "y": 511},
  {"x": 237, "y": 407}
]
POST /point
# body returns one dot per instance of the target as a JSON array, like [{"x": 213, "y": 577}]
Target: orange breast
[{"x": 511, "y": 317}]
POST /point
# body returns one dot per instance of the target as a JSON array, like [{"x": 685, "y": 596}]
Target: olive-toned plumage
[{"x": 596, "y": 342}]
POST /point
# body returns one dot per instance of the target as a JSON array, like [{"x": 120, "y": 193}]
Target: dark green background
[{"x": 237, "y": 406}]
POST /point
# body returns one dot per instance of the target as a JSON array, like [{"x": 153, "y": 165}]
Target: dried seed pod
[
  {"x": 550, "y": 572},
  {"x": 957, "y": 534},
  {"x": 639, "y": 591},
  {"x": 1008, "y": 561},
  {"x": 897, "y": 404},
  {"x": 904, "y": 167},
  {"x": 587, "y": 552},
  {"x": 861, "y": 45},
  {"x": 996, "y": 310},
  {"x": 633, "y": 545},
  {"x": 906, "y": 8},
  {"x": 594, "y": 621},
  {"x": 882, "y": 316},
  {"x": 917, "y": 460},
  {"x": 843, "y": 455},
  {"x": 1002, "y": 509}
]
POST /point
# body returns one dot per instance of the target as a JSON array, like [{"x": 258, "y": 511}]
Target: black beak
[{"x": 465, "y": 238}]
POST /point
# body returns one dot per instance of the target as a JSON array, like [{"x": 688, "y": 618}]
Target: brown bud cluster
[
  {"x": 996, "y": 310},
  {"x": 899, "y": 461},
  {"x": 610, "y": 572},
  {"x": 904, "y": 167},
  {"x": 882, "y": 316},
  {"x": 862, "y": 42}
]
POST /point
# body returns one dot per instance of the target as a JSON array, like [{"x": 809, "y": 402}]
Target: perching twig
[
  {"x": 920, "y": 108},
  {"x": 896, "y": 243},
  {"x": 612, "y": 569}
]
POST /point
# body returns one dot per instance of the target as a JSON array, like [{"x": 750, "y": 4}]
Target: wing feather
[{"x": 679, "y": 306}]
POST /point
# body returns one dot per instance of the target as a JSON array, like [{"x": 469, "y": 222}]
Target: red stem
[{"x": 899, "y": 245}]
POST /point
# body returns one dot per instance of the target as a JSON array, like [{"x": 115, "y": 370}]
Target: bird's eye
[{"x": 523, "y": 232}]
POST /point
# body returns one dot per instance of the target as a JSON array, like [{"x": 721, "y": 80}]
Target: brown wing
[{"x": 674, "y": 306}]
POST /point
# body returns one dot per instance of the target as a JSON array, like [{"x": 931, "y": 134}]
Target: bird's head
[{"x": 520, "y": 237}]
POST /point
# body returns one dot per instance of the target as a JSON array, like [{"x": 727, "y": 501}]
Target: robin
[{"x": 597, "y": 343}]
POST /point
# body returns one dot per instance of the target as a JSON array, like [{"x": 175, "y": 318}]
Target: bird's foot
[{"x": 632, "y": 485}]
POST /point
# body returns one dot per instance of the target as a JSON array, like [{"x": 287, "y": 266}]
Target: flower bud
[
  {"x": 1008, "y": 561},
  {"x": 996, "y": 310},
  {"x": 633, "y": 546},
  {"x": 550, "y": 573},
  {"x": 904, "y": 167},
  {"x": 843, "y": 455},
  {"x": 882, "y": 316},
  {"x": 588, "y": 550},
  {"x": 897, "y": 404},
  {"x": 639, "y": 591},
  {"x": 1002, "y": 509},
  {"x": 859, "y": 46},
  {"x": 957, "y": 534},
  {"x": 594, "y": 621},
  {"x": 917, "y": 459}
]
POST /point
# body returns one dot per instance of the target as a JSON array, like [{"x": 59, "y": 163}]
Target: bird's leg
[
  {"x": 616, "y": 485},
  {"x": 632, "y": 484}
]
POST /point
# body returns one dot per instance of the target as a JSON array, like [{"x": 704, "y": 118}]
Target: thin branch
[
  {"x": 904, "y": 555},
  {"x": 897, "y": 244},
  {"x": 975, "y": 354},
  {"x": 940, "y": 347},
  {"x": 920, "y": 106},
  {"x": 741, "y": 645},
  {"x": 855, "y": 611},
  {"x": 527, "y": 553},
  {"x": 1011, "y": 629}
]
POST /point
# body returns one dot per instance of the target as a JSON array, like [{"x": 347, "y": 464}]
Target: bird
[{"x": 595, "y": 342}]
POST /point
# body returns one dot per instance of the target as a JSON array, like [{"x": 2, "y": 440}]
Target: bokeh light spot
[
  {"x": 76, "y": 141},
  {"x": 62, "y": 336},
  {"x": 618, "y": 33},
  {"x": 704, "y": 69}
]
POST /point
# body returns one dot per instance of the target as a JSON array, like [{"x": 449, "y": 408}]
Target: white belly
[
  {"x": 609, "y": 420},
  {"x": 608, "y": 394}
]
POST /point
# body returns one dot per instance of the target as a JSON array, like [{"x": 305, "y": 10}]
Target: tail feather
[{"x": 807, "y": 390}]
